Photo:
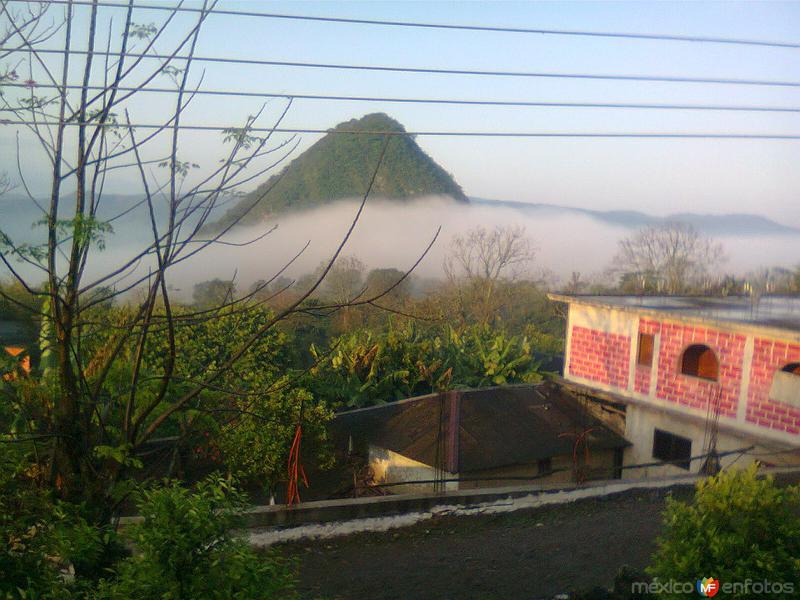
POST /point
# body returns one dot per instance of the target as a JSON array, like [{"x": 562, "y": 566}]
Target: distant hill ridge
[
  {"x": 340, "y": 166},
  {"x": 17, "y": 213},
  {"x": 724, "y": 224}
]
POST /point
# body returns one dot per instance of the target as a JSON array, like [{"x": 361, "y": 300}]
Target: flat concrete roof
[{"x": 776, "y": 312}]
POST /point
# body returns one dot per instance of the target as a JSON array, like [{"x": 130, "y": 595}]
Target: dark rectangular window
[
  {"x": 645, "y": 355},
  {"x": 672, "y": 448},
  {"x": 619, "y": 454},
  {"x": 545, "y": 465}
]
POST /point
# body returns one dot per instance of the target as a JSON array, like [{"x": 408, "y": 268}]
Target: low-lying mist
[{"x": 395, "y": 234}]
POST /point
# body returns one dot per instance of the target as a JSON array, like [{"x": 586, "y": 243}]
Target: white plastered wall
[
  {"x": 390, "y": 467},
  {"x": 641, "y": 422}
]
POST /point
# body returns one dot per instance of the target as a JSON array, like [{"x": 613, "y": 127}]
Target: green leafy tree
[
  {"x": 255, "y": 445},
  {"x": 214, "y": 292},
  {"x": 245, "y": 422},
  {"x": 383, "y": 279},
  {"x": 738, "y": 527}
]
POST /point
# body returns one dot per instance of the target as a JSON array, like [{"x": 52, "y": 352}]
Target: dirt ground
[{"x": 522, "y": 555}]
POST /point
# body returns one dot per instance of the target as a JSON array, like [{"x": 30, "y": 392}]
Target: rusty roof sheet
[{"x": 498, "y": 427}]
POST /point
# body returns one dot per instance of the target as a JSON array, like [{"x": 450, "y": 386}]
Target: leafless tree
[
  {"x": 345, "y": 280},
  {"x": 771, "y": 280},
  {"x": 87, "y": 130},
  {"x": 479, "y": 260},
  {"x": 576, "y": 283},
  {"x": 669, "y": 259},
  {"x": 490, "y": 254}
]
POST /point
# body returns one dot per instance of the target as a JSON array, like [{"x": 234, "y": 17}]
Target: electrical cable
[{"x": 442, "y": 26}]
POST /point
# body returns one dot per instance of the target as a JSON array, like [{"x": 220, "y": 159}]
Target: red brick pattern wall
[
  {"x": 770, "y": 356},
  {"x": 605, "y": 358},
  {"x": 694, "y": 392},
  {"x": 641, "y": 383},
  {"x": 642, "y": 378},
  {"x": 599, "y": 356}
]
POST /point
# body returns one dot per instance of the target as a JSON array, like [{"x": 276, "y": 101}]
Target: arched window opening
[
  {"x": 700, "y": 361},
  {"x": 786, "y": 385},
  {"x": 793, "y": 368}
]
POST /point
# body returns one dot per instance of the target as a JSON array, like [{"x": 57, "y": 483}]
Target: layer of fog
[{"x": 395, "y": 234}]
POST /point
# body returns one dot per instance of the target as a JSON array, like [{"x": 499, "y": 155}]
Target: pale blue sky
[{"x": 656, "y": 176}]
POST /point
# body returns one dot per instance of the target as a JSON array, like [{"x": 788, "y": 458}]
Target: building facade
[{"x": 694, "y": 374}]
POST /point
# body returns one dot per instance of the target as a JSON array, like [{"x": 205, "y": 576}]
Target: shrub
[
  {"x": 27, "y": 538},
  {"x": 739, "y": 527},
  {"x": 185, "y": 549},
  {"x": 48, "y": 548},
  {"x": 90, "y": 549}
]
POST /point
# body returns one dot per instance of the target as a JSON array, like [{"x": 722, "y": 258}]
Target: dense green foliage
[
  {"x": 255, "y": 445},
  {"x": 739, "y": 527},
  {"x": 48, "y": 548},
  {"x": 340, "y": 166},
  {"x": 246, "y": 419},
  {"x": 26, "y": 531},
  {"x": 367, "y": 367},
  {"x": 186, "y": 549}
]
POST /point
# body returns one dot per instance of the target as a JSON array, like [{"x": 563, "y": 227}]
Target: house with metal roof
[
  {"x": 490, "y": 437},
  {"x": 699, "y": 377}
]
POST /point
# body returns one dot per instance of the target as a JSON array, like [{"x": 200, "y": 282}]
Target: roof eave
[{"x": 736, "y": 326}]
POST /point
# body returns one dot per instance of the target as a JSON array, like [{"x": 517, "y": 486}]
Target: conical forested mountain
[{"x": 340, "y": 166}]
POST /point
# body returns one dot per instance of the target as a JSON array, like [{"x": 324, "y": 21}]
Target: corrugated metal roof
[{"x": 498, "y": 427}]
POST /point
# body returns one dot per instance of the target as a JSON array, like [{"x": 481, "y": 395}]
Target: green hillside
[{"x": 340, "y": 166}]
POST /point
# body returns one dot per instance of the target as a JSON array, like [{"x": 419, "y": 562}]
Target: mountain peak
[
  {"x": 372, "y": 122},
  {"x": 341, "y": 164}
]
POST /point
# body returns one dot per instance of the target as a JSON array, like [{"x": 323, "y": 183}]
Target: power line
[
  {"x": 426, "y": 70},
  {"x": 449, "y": 101},
  {"x": 501, "y": 134},
  {"x": 446, "y": 26}
]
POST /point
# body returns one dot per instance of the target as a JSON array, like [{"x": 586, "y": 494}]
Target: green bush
[
  {"x": 185, "y": 550},
  {"x": 48, "y": 548},
  {"x": 90, "y": 549},
  {"x": 27, "y": 539},
  {"x": 739, "y": 527}
]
